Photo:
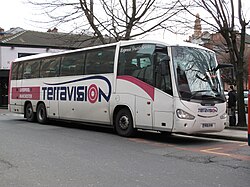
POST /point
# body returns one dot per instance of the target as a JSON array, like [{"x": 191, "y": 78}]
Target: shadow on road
[
  {"x": 177, "y": 139},
  {"x": 157, "y": 137}
]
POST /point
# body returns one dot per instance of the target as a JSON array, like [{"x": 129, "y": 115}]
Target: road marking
[
  {"x": 213, "y": 151},
  {"x": 150, "y": 142},
  {"x": 221, "y": 150},
  {"x": 243, "y": 144}
]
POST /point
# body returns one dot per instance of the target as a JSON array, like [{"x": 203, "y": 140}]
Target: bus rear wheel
[
  {"x": 29, "y": 113},
  {"x": 41, "y": 114},
  {"x": 124, "y": 123}
]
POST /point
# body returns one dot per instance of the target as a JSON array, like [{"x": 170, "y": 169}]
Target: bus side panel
[
  {"x": 127, "y": 88},
  {"x": 123, "y": 99},
  {"x": 144, "y": 112},
  {"x": 16, "y": 103},
  {"x": 87, "y": 98},
  {"x": 50, "y": 104},
  {"x": 28, "y": 90}
]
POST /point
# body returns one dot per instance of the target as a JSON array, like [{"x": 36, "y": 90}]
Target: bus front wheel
[
  {"x": 41, "y": 113},
  {"x": 29, "y": 113},
  {"x": 124, "y": 123}
]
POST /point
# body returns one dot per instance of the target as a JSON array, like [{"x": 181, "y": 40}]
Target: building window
[{"x": 25, "y": 54}]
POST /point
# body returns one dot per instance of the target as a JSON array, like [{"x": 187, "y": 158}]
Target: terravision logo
[{"x": 87, "y": 93}]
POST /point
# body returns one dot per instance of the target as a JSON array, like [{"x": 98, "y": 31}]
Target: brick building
[{"x": 216, "y": 42}]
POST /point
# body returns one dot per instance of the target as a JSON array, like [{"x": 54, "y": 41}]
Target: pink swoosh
[{"x": 146, "y": 87}]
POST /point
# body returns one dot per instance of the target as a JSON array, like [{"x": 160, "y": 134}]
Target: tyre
[
  {"x": 41, "y": 114},
  {"x": 124, "y": 123},
  {"x": 29, "y": 113}
]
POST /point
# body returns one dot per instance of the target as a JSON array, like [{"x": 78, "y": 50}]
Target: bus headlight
[
  {"x": 223, "y": 116},
  {"x": 184, "y": 115}
]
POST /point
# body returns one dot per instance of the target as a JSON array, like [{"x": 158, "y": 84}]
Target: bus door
[
  {"x": 146, "y": 65},
  {"x": 163, "y": 112},
  {"x": 163, "y": 101}
]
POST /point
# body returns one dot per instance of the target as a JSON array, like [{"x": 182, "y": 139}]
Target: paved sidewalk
[{"x": 229, "y": 133}]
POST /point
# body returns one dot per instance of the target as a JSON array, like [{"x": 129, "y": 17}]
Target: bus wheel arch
[
  {"x": 41, "y": 113},
  {"x": 123, "y": 121},
  {"x": 29, "y": 113}
]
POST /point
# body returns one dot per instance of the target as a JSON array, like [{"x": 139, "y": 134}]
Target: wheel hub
[
  {"x": 124, "y": 122},
  {"x": 29, "y": 111}
]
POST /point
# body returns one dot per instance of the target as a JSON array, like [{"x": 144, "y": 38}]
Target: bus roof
[
  {"x": 167, "y": 43},
  {"x": 125, "y": 42},
  {"x": 43, "y": 55}
]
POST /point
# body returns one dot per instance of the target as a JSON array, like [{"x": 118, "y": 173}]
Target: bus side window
[
  {"x": 100, "y": 61},
  {"x": 136, "y": 61},
  {"x": 72, "y": 64},
  {"x": 14, "y": 70},
  {"x": 127, "y": 65},
  {"x": 50, "y": 67},
  {"x": 20, "y": 71},
  {"x": 163, "y": 82},
  {"x": 31, "y": 69}
]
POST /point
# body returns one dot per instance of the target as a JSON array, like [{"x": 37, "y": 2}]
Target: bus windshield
[{"x": 196, "y": 76}]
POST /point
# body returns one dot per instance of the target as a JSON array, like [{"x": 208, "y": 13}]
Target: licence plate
[{"x": 207, "y": 125}]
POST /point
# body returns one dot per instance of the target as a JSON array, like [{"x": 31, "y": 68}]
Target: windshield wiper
[
  {"x": 185, "y": 94},
  {"x": 203, "y": 79},
  {"x": 206, "y": 97},
  {"x": 210, "y": 97},
  {"x": 195, "y": 93}
]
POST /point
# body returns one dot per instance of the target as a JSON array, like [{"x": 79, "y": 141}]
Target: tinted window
[
  {"x": 14, "y": 70},
  {"x": 137, "y": 61},
  {"x": 31, "y": 69},
  {"x": 100, "y": 61},
  {"x": 20, "y": 71},
  {"x": 162, "y": 73},
  {"x": 72, "y": 64},
  {"x": 50, "y": 67},
  {"x": 147, "y": 62}
]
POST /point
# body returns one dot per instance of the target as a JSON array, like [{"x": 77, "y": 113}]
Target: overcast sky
[
  {"x": 14, "y": 13},
  {"x": 17, "y": 13}
]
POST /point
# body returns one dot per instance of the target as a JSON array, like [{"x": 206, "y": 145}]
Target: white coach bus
[{"x": 130, "y": 85}]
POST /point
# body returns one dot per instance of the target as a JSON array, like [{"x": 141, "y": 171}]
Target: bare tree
[
  {"x": 229, "y": 20},
  {"x": 116, "y": 19}
]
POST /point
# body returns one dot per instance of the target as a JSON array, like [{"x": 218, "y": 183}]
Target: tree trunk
[
  {"x": 240, "y": 80},
  {"x": 240, "y": 96}
]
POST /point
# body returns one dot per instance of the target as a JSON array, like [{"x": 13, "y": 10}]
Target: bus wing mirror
[
  {"x": 164, "y": 66},
  {"x": 223, "y": 66}
]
